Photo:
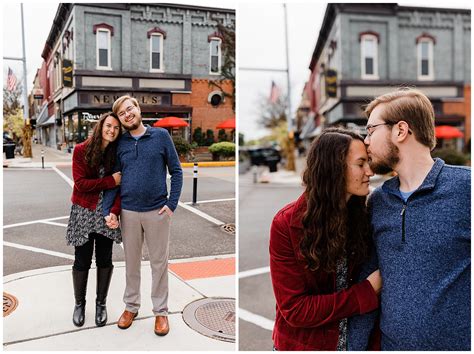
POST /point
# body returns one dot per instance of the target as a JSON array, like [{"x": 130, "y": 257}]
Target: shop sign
[
  {"x": 141, "y": 98},
  {"x": 67, "y": 73},
  {"x": 331, "y": 83},
  {"x": 90, "y": 117}
]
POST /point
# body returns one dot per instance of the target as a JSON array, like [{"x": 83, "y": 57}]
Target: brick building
[{"x": 165, "y": 55}]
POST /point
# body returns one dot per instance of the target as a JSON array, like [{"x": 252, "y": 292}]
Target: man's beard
[
  {"x": 134, "y": 125},
  {"x": 388, "y": 162}
]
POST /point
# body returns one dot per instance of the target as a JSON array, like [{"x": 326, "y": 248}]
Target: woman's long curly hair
[
  {"x": 333, "y": 228},
  {"x": 94, "y": 155}
]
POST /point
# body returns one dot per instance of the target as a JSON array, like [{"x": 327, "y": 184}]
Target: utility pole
[
  {"x": 27, "y": 128},
  {"x": 291, "y": 135},
  {"x": 291, "y": 144}
]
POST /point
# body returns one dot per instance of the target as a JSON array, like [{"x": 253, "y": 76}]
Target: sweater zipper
[
  {"x": 136, "y": 149},
  {"x": 403, "y": 222}
]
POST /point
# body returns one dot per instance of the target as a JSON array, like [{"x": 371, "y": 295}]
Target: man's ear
[{"x": 403, "y": 130}]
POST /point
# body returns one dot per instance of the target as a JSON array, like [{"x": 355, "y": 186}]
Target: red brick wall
[
  {"x": 462, "y": 108},
  {"x": 204, "y": 114}
]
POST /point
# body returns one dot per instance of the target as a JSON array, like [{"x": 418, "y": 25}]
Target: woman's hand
[
  {"x": 117, "y": 177},
  {"x": 112, "y": 221},
  {"x": 375, "y": 280}
]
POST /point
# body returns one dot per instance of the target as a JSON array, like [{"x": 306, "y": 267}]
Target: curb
[{"x": 209, "y": 164}]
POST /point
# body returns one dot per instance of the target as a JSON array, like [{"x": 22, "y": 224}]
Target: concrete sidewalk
[
  {"x": 42, "y": 319},
  {"x": 54, "y": 157}
]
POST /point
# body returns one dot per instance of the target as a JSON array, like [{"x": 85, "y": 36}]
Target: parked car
[{"x": 264, "y": 155}]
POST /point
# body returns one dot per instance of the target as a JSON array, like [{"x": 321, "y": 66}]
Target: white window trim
[
  {"x": 109, "y": 50},
  {"x": 375, "y": 75},
  {"x": 162, "y": 68},
  {"x": 219, "y": 56},
  {"x": 430, "y": 75}
]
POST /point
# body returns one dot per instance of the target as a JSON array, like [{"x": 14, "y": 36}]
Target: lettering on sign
[
  {"x": 142, "y": 99},
  {"x": 90, "y": 117}
]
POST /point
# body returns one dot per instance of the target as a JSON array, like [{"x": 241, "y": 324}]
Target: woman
[
  {"x": 317, "y": 244},
  {"x": 92, "y": 164}
]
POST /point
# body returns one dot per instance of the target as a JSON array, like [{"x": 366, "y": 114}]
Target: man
[
  {"x": 143, "y": 155},
  {"x": 421, "y": 231}
]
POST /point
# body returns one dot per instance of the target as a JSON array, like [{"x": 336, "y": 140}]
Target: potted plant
[
  {"x": 182, "y": 147},
  {"x": 223, "y": 149}
]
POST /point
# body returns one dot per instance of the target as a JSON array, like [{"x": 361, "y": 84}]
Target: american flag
[
  {"x": 11, "y": 80},
  {"x": 274, "y": 93}
]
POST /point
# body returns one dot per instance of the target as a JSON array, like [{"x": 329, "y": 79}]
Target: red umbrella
[
  {"x": 171, "y": 122},
  {"x": 447, "y": 132},
  {"x": 227, "y": 124}
]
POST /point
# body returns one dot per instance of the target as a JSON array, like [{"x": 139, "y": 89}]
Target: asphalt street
[
  {"x": 258, "y": 204},
  {"x": 36, "y": 205}
]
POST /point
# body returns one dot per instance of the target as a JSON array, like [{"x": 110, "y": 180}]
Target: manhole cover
[
  {"x": 229, "y": 228},
  {"x": 9, "y": 304},
  {"x": 212, "y": 317}
]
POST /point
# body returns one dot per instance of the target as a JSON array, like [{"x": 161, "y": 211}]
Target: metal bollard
[
  {"x": 42, "y": 158},
  {"x": 195, "y": 182},
  {"x": 255, "y": 173}
]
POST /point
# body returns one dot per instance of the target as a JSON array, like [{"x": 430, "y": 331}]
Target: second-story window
[
  {"x": 425, "y": 59},
  {"x": 215, "y": 56},
  {"x": 369, "y": 56},
  {"x": 156, "y": 52},
  {"x": 103, "y": 49}
]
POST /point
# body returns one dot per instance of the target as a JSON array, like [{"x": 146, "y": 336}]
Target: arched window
[
  {"x": 424, "y": 50},
  {"x": 369, "y": 55}
]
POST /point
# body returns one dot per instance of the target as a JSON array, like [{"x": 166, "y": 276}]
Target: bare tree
[{"x": 272, "y": 114}]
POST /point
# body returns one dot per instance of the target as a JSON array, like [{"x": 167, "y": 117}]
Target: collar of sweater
[
  {"x": 393, "y": 185},
  {"x": 147, "y": 132}
]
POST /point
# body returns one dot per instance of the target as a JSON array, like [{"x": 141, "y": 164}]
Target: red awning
[
  {"x": 227, "y": 124},
  {"x": 171, "y": 122},
  {"x": 447, "y": 132}
]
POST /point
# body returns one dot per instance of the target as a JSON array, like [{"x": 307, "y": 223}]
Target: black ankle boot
[
  {"x": 104, "y": 275},
  {"x": 79, "y": 280}
]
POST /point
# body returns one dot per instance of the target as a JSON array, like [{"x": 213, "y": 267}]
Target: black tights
[{"x": 103, "y": 253}]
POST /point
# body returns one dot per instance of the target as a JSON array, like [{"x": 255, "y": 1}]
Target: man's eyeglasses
[
  {"x": 127, "y": 110},
  {"x": 370, "y": 128}
]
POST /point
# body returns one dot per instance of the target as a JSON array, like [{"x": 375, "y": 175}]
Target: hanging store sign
[
  {"x": 331, "y": 83},
  {"x": 67, "y": 73}
]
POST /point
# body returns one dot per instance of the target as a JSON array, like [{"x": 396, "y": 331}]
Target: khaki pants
[{"x": 155, "y": 229}]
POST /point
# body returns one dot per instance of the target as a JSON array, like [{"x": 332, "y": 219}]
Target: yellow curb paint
[{"x": 209, "y": 164}]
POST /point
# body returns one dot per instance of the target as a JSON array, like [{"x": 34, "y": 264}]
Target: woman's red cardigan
[
  {"x": 87, "y": 184},
  {"x": 308, "y": 308}
]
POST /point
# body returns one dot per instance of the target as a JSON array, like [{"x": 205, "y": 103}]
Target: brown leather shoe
[
  {"x": 126, "y": 319},
  {"x": 161, "y": 325}
]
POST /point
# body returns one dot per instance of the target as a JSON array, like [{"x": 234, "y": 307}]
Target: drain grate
[
  {"x": 212, "y": 317},
  {"x": 229, "y": 228},
  {"x": 9, "y": 304}
]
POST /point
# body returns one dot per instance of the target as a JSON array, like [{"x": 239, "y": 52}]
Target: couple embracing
[
  {"x": 390, "y": 274},
  {"x": 123, "y": 175}
]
